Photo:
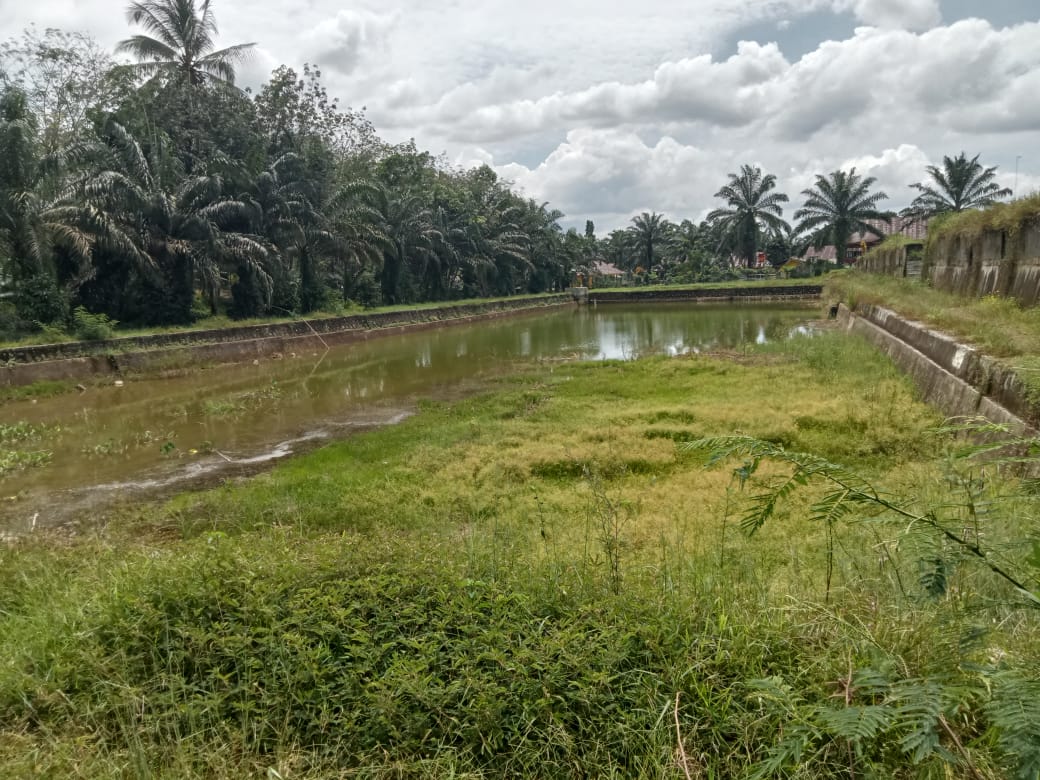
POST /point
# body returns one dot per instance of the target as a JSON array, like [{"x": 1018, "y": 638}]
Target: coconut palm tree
[
  {"x": 180, "y": 43},
  {"x": 753, "y": 209},
  {"x": 648, "y": 233},
  {"x": 839, "y": 205},
  {"x": 959, "y": 185}
]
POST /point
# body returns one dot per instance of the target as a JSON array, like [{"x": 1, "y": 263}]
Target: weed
[
  {"x": 92, "y": 327},
  {"x": 552, "y": 593},
  {"x": 19, "y": 460}
]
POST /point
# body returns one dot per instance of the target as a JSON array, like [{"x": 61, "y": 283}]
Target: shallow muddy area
[{"x": 65, "y": 457}]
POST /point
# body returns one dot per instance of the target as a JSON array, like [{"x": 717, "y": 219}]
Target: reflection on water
[{"x": 156, "y": 431}]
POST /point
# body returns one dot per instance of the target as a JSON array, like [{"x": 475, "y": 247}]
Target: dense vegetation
[
  {"x": 157, "y": 193},
  {"x": 535, "y": 583}
]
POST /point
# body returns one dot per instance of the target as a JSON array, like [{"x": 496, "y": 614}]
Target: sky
[{"x": 607, "y": 108}]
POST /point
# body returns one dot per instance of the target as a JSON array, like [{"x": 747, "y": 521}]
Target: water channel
[{"x": 152, "y": 436}]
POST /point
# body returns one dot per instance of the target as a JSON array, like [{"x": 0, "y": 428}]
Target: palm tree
[
  {"x": 34, "y": 225},
  {"x": 496, "y": 246},
  {"x": 838, "y": 206},
  {"x": 753, "y": 209},
  {"x": 357, "y": 227},
  {"x": 411, "y": 237},
  {"x": 648, "y": 232},
  {"x": 171, "y": 231},
  {"x": 552, "y": 267},
  {"x": 959, "y": 185},
  {"x": 181, "y": 43}
]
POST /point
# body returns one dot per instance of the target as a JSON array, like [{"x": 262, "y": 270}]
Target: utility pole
[{"x": 1014, "y": 190}]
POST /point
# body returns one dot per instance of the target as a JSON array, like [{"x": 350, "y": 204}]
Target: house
[
  {"x": 604, "y": 274},
  {"x": 860, "y": 243}
]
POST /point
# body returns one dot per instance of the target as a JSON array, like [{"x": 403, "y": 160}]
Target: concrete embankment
[
  {"x": 1003, "y": 262},
  {"x": 170, "y": 351},
  {"x": 955, "y": 378},
  {"x": 807, "y": 292}
]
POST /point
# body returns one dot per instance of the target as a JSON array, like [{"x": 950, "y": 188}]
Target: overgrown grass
[
  {"x": 41, "y": 389},
  {"x": 537, "y": 582},
  {"x": 1010, "y": 217},
  {"x": 998, "y": 326}
]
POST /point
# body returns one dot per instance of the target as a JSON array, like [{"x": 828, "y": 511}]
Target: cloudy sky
[{"x": 608, "y": 108}]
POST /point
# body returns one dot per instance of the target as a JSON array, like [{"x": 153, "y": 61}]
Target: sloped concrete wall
[
  {"x": 955, "y": 378},
  {"x": 25, "y": 365}
]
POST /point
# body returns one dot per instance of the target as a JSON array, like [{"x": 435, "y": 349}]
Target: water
[{"x": 159, "y": 435}]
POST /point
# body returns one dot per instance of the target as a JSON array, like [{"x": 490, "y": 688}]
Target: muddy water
[{"x": 159, "y": 435}]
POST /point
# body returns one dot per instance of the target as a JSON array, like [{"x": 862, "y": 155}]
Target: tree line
[{"x": 159, "y": 193}]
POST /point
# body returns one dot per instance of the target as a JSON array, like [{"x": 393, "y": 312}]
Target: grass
[
  {"x": 537, "y": 582},
  {"x": 997, "y": 326},
  {"x": 1008, "y": 217}
]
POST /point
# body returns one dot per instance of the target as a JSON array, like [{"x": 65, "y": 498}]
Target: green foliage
[
  {"x": 1009, "y": 217},
  {"x": 18, "y": 460},
  {"x": 847, "y": 494},
  {"x": 427, "y": 599},
  {"x": 839, "y": 205},
  {"x": 39, "y": 300},
  {"x": 961, "y": 184},
  {"x": 92, "y": 327},
  {"x": 753, "y": 210}
]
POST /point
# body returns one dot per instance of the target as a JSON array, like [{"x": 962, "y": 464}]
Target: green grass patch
[
  {"x": 41, "y": 389},
  {"x": 735, "y": 284},
  {"x": 998, "y": 326},
  {"x": 539, "y": 582}
]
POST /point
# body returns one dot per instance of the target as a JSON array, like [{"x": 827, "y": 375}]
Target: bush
[
  {"x": 92, "y": 327},
  {"x": 366, "y": 291},
  {"x": 40, "y": 300}
]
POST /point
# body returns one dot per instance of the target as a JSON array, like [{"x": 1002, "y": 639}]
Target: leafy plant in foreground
[
  {"x": 847, "y": 492},
  {"x": 885, "y": 708}
]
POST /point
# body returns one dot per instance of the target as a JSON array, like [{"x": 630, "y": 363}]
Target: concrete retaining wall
[
  {"x": 997, "y": 262},
  {"x": 955, "y": 378},
  {"x": 25, "y": 365},
  {"x": 708, "y": 294},
  {"x": 890, "y": 261}
]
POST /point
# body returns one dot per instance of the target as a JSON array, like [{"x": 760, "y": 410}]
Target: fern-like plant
[{"x": 848, "y": 492}]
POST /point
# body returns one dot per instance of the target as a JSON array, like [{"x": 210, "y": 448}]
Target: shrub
[
  {"x": 92, "y": 327},
  {"x": 40, "y": 300}
]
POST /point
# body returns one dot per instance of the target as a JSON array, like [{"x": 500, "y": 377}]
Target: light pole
[{"x": 1014, "y": 190}]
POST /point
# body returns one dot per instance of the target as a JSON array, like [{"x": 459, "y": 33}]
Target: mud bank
[
  {"x": 955, "y": 378},
  {"x": 171, "y": 351}
]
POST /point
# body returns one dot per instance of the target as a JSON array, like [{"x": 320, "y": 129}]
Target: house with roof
[
  {"x": 861, "y": 243},
  {"x": 604, "y": 274}
]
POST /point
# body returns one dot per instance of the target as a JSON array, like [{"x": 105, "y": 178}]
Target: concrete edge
[
  {"x": 955, "y": 378},
  {"x": 242, "y": 350}
]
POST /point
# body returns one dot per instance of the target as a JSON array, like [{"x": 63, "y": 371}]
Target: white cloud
[
  {"x": 614, "y": 107},
  {"x": 341, "y": 41},
  {"x": 903, "y": 14},
  {"x": 610, "y": 175}
]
